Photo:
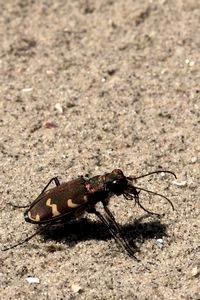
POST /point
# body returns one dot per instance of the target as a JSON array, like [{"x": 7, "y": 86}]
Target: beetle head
[{"x": 115, "y": 182}]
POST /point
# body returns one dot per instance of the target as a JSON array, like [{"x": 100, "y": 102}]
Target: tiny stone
[
  {"x": 59, "y": 108},
  {"x": 76, "y": 288},
  {"x": 159, "y": 243},
  {"x": 50, "y": 72},
  {"x": 191, "y": 63},
  {"x": 195, "y": 272},
  {"x": 180, "y": 183},
  {"x": 26, "y": 90},
  {"x": 193, "y": 159},
  {"x": 33, "y": 280}
]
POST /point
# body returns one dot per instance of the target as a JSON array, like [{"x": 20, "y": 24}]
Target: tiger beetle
[{"x": 70, "y": 200}]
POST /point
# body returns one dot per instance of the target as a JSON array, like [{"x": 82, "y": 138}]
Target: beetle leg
[
  {"x": 114, "y": 230},
  {"x": 18, "y": 206},
  {"x": 118, "y": 230},
  {"x": 55, "y": 179},
  {"x": 26, "y": 239},
  {"x": 111, "y": 219}
]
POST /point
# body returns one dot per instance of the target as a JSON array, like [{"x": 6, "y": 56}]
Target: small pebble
[
  {"x": 27, "y": 90},
  {"x": 76, "y": 288},
  {"x": 50, "y": 125},
  {"x": 159, "y": 243},
  {"x": 180, "y": 183},
  {"x": 59, "y": 108},
  {"x": 33, "y": 280},
  {"x": 195, "y": 271},
  {"x": 193, "y": 159}
]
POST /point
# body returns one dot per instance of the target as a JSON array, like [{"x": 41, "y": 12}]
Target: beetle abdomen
[{"x": 58, "y": 202}]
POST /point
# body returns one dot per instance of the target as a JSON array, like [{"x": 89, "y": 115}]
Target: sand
[{"x": 87, "y": 87}]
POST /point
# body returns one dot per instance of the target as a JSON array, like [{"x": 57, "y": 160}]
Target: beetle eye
[{"x": 115, "y": 181}]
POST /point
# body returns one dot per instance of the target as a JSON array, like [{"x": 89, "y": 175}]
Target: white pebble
[
  {"x": 180, "y": 183},
  {"x": 76, "y": 288},
  {"x": 33, "y": 280},
  {"x": 59, "y": 108},
  {"x": 27, "y": 90}
]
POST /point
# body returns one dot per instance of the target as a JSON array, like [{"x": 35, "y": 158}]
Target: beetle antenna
[
  {"x": 151, "y": 173},
  {"x": 137, "y": 200},
  {"x": 157, "y": 194},
  {"x": 133, "y": 194},
  {"x": 26, "y": 239}
]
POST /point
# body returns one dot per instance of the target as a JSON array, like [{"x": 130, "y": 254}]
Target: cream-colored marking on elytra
[
  {"x": 37, "y": 217},
  {"x": 71, "y": 204},
  {"x": 55, "y": 211}
]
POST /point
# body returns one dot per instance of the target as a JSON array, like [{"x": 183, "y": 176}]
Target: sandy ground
[{"x": 86, "y": 87}]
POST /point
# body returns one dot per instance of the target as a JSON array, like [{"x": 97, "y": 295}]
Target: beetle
[{"x": 70, "y": 200}]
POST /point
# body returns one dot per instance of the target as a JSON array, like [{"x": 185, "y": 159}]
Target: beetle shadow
[{"x": 85, "y": 229}]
